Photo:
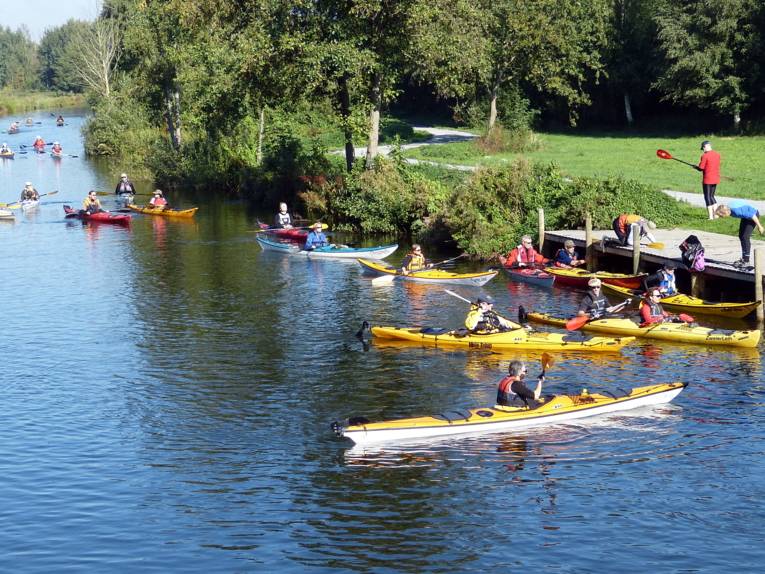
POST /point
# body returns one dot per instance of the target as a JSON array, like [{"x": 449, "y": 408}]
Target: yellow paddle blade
[{"x": 656, "y": 245}]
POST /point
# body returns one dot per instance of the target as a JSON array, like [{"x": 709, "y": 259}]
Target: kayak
[
  {"x": 676, "y": 332},
  {"x": 7, "y": 214},
  {"x": 8, "y": 155},
  {"x": 101, "y": 217},
  {"x": 530, "y": 275},
  {"x": 554, "y": 409},
  {"x": 428, "y": 275},
  {"x": 55, "y": 155},
  {"x": 11, "y": 131},
  {"x": 181, "y": 213},
  {"x": 291, "y": 234},
  {"x": 508, "y": 340},
  {"x": 578, "y": 278},
  {"x": 328, "y": 252},
  {"x": 689, "y": 304},
  {"x": 29, "y": 204}
]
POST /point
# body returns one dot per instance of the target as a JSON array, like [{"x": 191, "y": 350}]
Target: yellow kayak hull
[
  {"x": 509, "y": 340},
  {"x": 675, "y": 332},
  {"x": 428, "y": 275},
  {"x": 553, "y": 410},
  {"x": 179, "y": 213},
  {"x": 693, "y": 305}
]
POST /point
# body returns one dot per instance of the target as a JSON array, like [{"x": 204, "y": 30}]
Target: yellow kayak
[
  {"x": 182, "y": 213},
  {"x": 427, "y": 275},
  {"x": 693, "y": 305},
  {"x": 508, "y": 340},
  {"x": 676, "y": 332},
  {"x": 552, "y": 410}
]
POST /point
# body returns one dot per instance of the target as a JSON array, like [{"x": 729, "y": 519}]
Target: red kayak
[
  {"x": 291, "y": 234},
  {"x": 101, "y": 217}
]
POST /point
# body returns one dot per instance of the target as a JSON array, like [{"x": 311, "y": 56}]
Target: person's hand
[
  {"x": 429, "y": 265},
  {"x": 762, "y": 230}
]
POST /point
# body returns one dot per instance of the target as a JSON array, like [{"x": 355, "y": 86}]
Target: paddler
[
  {"x": 5, "y": 149},
  {"x": 39, "y": 144},
  {"x": 414, "y": 260},
  {"x": 523, "y": 255},
  {"x": 283, "y": 219},
  {"x": 29, "y": 193},
  {"x": 512, "y": 391},
  {"x": 594, "y": 303},
  {"x": 568, "y": 257},
  {"x": 663, "y": 280},
  {"x": 158, "y": 200},
  {"x": 124, "y": 186},
  {"x": 91, "y": 204},
  {"x": 57, "y": 149},
  {"x": 316, "y": 238},
  {"x": 651, "y": 310},
  {"x": 483, "y": 320}
]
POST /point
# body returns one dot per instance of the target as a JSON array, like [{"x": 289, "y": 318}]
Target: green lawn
[{"x": 631, "y": 157}]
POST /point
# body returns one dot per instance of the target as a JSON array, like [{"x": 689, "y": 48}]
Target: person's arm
[
  {"x": 758, "y": 224},
  {"x": 702, "y": 163},
  {"x": 584, "y": 305},
  {"x": 473, "y": 318},
  {"x": 520, "y": 389},
  {"x": 507, "y": 323}
]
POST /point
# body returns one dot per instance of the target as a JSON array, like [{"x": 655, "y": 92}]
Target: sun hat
[
  {"x": 705, "y": 142},
  {"x": 594, "y": 282},
  {"x": 123, "y": 175},
  {"x": 157, "y": 192},
  {"x": 318, "y": 224},
  {"x": 568, "y": 243},
  {"x": 485, "y": 299},
  {"x": 651, "y": 225}
]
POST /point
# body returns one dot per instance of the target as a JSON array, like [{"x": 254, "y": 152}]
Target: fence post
[
  {"x": 541, "y": 229},
  {"x": 588, "y": 241},
  {"x": 635, "y": 231},
  {"x": 759, "y": 269}
]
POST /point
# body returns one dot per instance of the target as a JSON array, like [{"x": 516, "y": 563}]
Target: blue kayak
[{"x": 328, "y": 252}]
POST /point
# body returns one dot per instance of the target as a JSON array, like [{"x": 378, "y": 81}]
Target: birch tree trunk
[
  {"x": 493, "y": 106},
  {"x": 261, "y": 132},
  {"x": 374, "y": 121},
  {"x": 628, "y": 109},
  {"x": 345, "y": 113}
]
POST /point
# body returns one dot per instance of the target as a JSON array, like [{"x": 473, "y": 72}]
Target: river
[{"x": 168, "y": 389}]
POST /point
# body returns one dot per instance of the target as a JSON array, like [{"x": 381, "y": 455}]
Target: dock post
[
  {"x": 635, "y": 230},
  {"x": 697, "y": 284},
  {"x": 588, "y": 241},
  {"x": 541, "y": 228},
  {"x": 759, "y": 269}
]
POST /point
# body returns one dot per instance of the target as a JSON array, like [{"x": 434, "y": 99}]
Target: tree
[
  {"x": 94, "y": 53},
  {"x": 707, "y": 51},
  {"x": 57, "y": 71},
  {"x": 19, "y": 64}
]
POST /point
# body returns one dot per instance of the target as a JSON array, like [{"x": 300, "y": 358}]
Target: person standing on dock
[
  {"x": 749, "y": 217},
  {"x": 709, "y": 165}
]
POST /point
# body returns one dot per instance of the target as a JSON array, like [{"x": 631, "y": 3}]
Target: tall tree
[
  {"x": 56, "y": 67},
  {"x": 707, "y": 49},
  {"x": 19, "y": 66}
]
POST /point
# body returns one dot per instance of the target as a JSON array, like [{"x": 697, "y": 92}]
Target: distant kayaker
[
  {"x": 5, "y": 149},
  {"x": 39, "y": 144},
  {"x": 709, "y": 165},
  {"x": 29, "y": 193},
  {"x": 124, "y": 186},
  {"x": 91, "y": 204},
  {"x": 282, "y": 220},
  {"x": 749, "y": 217},
  {"x": 567, "y": 257},
  {"x": 14, "y": 127},
  {"x": 651, "y": 310},
  {"x": 414, "y": 260},
  {"x": 663, "y": 280},
  {"x": 316, "y": 238},
  {"x": 622, "y": 226},
  {"x": 158, "y": 200},
  {"x": 523, "y": 255},
  {"x": 29, "y": 121},
  {"x": 60, "y": 120},
  {"x": 57, "y": 149},
  {"x": 482, "y": 319},
  {"x": 512, "y": 391}
]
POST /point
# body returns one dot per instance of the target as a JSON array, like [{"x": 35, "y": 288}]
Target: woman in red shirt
[{"x": 709, "y": 164}]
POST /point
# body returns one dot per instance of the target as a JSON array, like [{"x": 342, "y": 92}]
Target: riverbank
[{"x": 15, "y": 102}]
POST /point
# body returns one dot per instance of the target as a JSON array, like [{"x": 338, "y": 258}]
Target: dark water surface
[{"x": 167, "y": 393}]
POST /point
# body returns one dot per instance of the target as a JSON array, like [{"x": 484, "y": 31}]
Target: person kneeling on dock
[
  {"x": 483, "y": 320},
  {"x": 623, "y": 228},
  {"x": 567, "y": 257},
  {"x": 663, "y": 280},
  {"x": 523, "y": 255},
  {"x": 512, "y": 391}
]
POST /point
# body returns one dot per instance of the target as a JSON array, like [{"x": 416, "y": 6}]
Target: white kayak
[
  {"x": 328, "y": 252},
  {"x": 6, "y": 214},
  {"x": 29, "y": 204}
]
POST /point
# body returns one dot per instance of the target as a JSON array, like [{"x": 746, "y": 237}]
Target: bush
[{"x": 119, "y": 127}]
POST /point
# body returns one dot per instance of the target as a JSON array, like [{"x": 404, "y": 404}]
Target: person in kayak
[
  {"x": 749, "y": 217},
  {"x": 57, "y": 149},
  {"x": 651, "y": 310},
  {"x": 29, "y": 121},
  {"x": 90, "y": 204},
  {"x": 567, "y": 257},
  {"x": 622, "y": 226},
  {"x": 14, "y": 127},
  {"x": 594, "y": 303},
  {"x": 483, "y": 320},
  {"x": 709, "y": 165},
  {"x": 60, "y": 120},
  {"x": 39, "y": 145},
  {"x": 414, "y": 260},
  {"x": 663, "y": 280},
  {"x": 282, "y": 220},
  {"x": 523, "y": 255},
  {"x": 5, "y": 149},
  {"x": 158, "y": 201},
  {"x": 124, "y": 186},
  {"x": 512, "y": 391},
  {"x": 316, "y": 238},
  {"x": 29, "y": 193}
]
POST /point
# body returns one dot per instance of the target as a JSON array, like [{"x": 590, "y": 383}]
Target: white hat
[
  {"x": 123, "y": 175},
  {"x": 594, "y": 282},
  {"x": 28, "y": 184}
]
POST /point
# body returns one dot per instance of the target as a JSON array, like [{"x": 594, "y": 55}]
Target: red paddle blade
[
  {"x": 577, "y": 322},
  {"x": 663, "y": 154},
  {"x": 685, "y": 318}
]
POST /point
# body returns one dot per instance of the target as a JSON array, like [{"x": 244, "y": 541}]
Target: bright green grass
[
  {"x": 18, "y": 102},
  {"x": 631, "y": 157}
]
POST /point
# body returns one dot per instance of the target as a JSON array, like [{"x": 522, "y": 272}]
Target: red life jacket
[{"x": 505, "y": 394}]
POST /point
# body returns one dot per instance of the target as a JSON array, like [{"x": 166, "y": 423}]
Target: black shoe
[{"x": 741, "y": 263}]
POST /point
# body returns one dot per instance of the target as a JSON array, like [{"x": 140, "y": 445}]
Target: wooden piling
[
  {"x": 635, "y": 230},
  {"x": 541, "y": 229},
  {"x": 759, "y": 269},
  {"x": 588, "y": 241}
]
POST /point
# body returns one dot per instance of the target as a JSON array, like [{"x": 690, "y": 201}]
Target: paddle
[
  {"x": 656, "y": 245},
  {"x": 104, "y": 193},
  {"x": 18, "y": 203},
  {"x": 547, "y": 362},
  {"x": 460, "y": 256},
  {"x": 664, "y": 154},
  {"x": 581, "y": 320}
]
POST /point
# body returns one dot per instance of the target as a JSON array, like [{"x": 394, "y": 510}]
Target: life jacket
[
  {"x": 483, "y": 322},
  {"x": 56, "y": 149},
  {"x": 283, "y": 219},
  {"x": 158, "y": 201},
  {"x": 125, "y": 187},
  {"x": 597, "y": 304},
  {"x": 667, "y": 283},
  {"x": 415, "y": 261},
  {"x": 521, "y": 254},
  {"x": 39, "y": 144},
  {"x": 505, "y": 394}
]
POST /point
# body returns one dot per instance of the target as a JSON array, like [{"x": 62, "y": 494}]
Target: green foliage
[
  {"x": 12, "y": 102},
  {"x": 57, "y": 71},
  {"x": 119, "y": 127},
  {"x": 18, "y": 64}
]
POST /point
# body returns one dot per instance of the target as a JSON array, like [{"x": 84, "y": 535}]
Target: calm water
[{"x": 167, "y": 393}]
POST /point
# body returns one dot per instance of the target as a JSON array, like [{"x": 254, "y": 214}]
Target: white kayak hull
[
  {"x": 29, "y": 204},
  {"x": 331, "y": 252}
]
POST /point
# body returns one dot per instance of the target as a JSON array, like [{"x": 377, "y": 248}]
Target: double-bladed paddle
[
  {"x": 581, "y": 320},
  {"x": 16, "y": 204}
]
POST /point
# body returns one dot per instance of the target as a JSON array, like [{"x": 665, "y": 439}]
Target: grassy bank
[
  {"x": 12, "y": 102},
  {"x": 631, "y": 157}
]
